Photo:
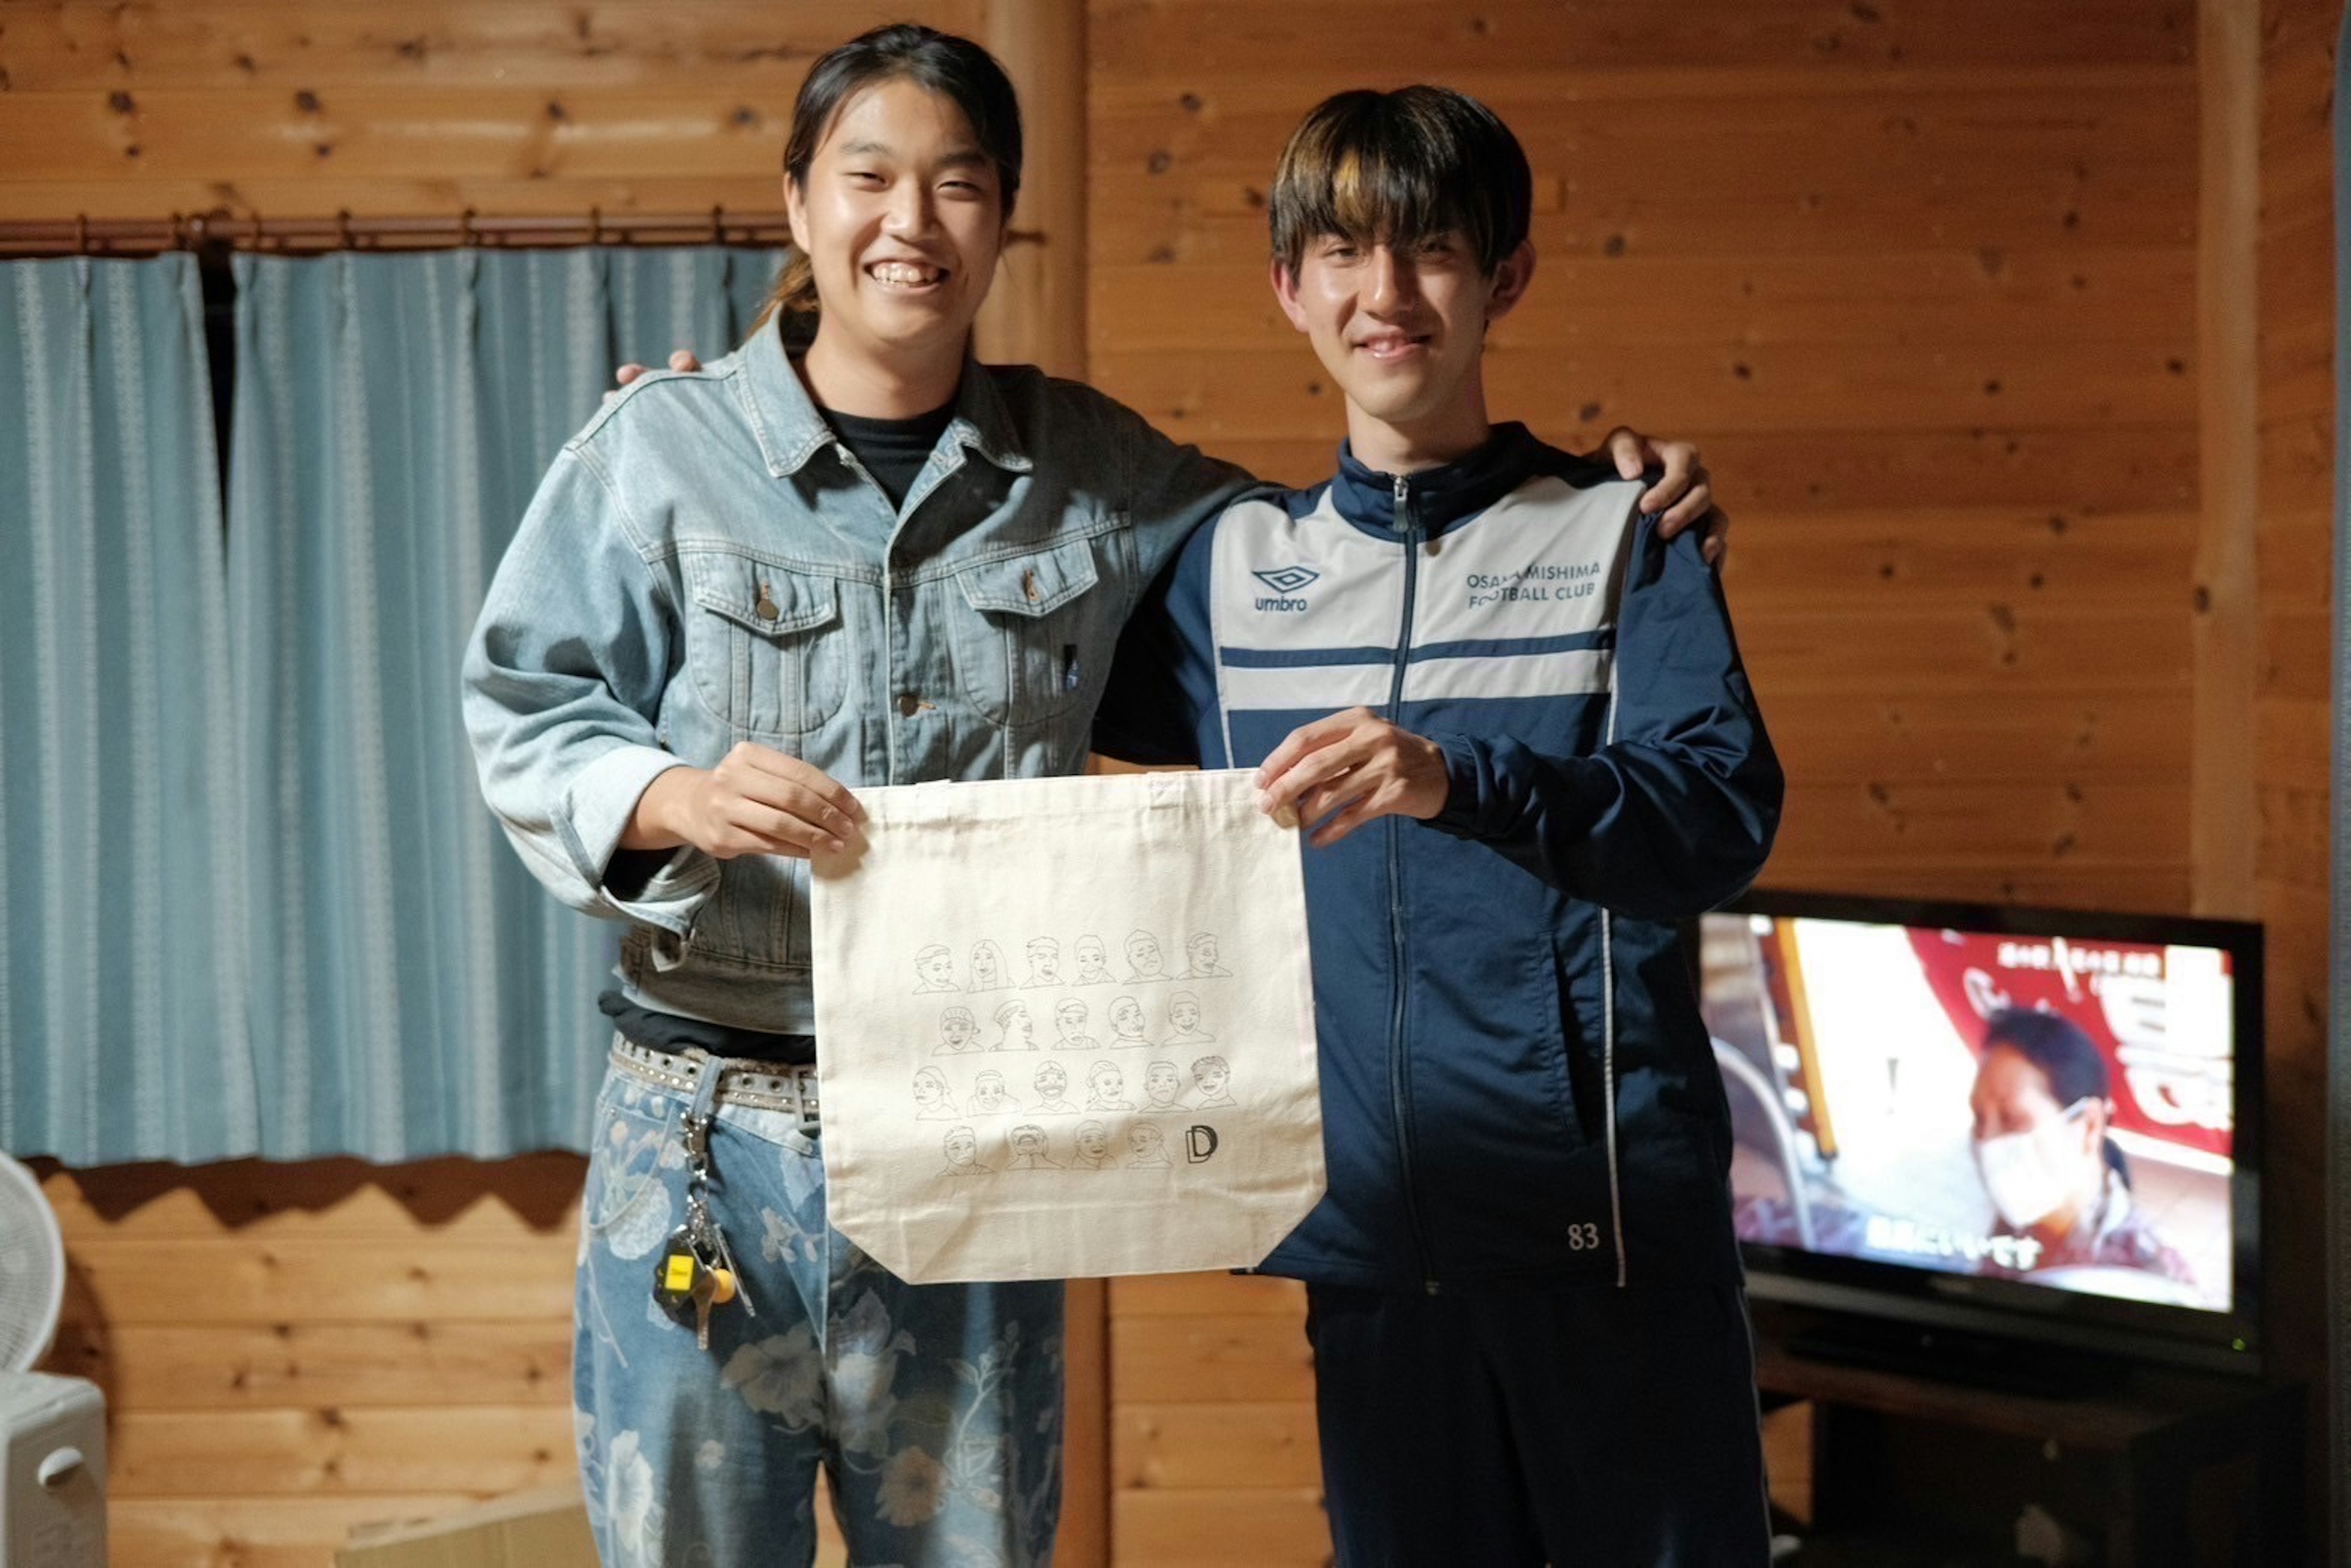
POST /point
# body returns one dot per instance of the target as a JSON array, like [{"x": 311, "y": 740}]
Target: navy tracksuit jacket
[{"x": 1517, "y": 1090}]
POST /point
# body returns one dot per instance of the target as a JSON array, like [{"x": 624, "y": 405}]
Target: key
[{"x": 705, "y": 1295}]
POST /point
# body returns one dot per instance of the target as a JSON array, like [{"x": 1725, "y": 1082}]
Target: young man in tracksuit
[{"x": 1515, "y": 723}]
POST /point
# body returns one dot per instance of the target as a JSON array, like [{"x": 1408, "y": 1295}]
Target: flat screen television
[{"x": 2020, "y": 1123}]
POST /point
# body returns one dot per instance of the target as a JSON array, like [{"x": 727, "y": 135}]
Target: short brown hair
[{"x": 1403, "y": 167}]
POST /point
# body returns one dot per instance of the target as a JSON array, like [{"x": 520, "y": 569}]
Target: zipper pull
[{"x": 1402, "y": 505}]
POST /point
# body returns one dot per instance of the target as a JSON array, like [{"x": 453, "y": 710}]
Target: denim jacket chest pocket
[
  {"x": 766, "y": 645},
  {"x": 1036, "y": 639}
]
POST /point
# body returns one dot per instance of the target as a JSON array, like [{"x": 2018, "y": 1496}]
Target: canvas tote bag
[{"x": 1066, "y": 1028}]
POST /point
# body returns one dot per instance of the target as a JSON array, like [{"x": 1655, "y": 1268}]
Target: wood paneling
[
  {"x": 1266, "y": 1527},
  {"x": 2221, "y": 833},
  {"x": 516, "y": 106},
  {"x": 287, "y": 1351},
  {"x": 1825, "y": 44},
  {"x": 80, "y": 46},
  {"x": 1927, "y": 305},
  {"x": 290, "y": 1349},
  {"x": 2294, "y": 704}
]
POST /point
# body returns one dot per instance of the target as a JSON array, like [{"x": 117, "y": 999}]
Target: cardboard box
[{"x": 542, "y": 1529}]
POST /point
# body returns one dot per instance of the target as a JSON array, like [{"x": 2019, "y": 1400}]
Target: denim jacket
[{"x": 704, "y": 564}]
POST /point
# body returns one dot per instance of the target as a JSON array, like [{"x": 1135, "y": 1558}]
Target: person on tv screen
[{"x": 2041, "y": 1101}]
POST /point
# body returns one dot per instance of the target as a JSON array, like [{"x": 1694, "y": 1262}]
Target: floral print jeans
[{"x": 934, "y": 1409}]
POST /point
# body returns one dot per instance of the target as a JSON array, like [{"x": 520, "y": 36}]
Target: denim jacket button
[{"x": 908, "y": 704}]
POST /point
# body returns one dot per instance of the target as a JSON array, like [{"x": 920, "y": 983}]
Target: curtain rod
[{"x": 317, "y": 235}]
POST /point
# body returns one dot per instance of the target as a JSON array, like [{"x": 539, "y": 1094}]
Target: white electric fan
[{"x": 52, "y": 1429}]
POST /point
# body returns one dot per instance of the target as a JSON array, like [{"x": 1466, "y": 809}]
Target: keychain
[{"x": 695, "y": 1271}]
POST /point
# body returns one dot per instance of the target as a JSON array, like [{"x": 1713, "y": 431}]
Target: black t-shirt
[
  {"x": 667, "y": 1031},
  {"x": 894, "y": 451}
]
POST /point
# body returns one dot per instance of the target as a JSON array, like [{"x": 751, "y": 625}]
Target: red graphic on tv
[{"x": 2171, "y": 1072}]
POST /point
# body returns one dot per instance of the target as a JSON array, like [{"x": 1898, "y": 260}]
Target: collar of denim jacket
[{"x": 792, "y": 431}]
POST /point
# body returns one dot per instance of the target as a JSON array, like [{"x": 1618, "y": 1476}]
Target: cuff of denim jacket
[{"x": 601, "y": 802}]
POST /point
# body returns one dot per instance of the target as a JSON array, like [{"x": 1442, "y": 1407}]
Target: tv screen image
[{"x": 2054, "y": 1110}]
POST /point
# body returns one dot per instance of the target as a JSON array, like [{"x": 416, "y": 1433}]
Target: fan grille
[{"x": 32, "y": 1268}]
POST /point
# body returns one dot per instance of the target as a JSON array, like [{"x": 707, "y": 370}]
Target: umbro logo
[{"x": 1285, "y": 581}]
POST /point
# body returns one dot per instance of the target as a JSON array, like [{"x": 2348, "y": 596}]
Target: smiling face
[
  {"x": 984, "y": 969},
  {"x": 1186, "y": 1012},
  {"x": 902, "y": 218},
  {"x": 1092, "y": 1142},
  {"x": 1145, "y": 1142},
  {"x": 1052, "y": 1081},
  {"x": 1400, "y": 330},
  {"x": 956, "y": 1026},
  {"x": 936, "y": 966},
  {"x": 1213, "y": 1078}
]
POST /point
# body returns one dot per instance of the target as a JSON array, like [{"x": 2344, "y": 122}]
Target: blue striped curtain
[
  {"x": 122, "y": 1019},
  {"x": 415, "y": 992}
]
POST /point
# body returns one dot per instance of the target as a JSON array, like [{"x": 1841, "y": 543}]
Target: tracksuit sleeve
[
  {"x": 562, "y": 688},
  {"x": 1675, "y": 814},
  {"x": 1162, "y": 691}
]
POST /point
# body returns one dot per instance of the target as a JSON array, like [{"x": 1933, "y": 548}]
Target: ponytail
[{"x": 793, "y": 297}]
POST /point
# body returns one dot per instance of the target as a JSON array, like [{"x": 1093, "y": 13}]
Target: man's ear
[
  {"x": 1511, "y": 280},
  {"x": 796, "y": 214},
  {"x": 1285, "y": 291}
]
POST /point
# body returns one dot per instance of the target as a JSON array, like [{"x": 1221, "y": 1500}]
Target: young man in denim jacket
[{"x": 1513, "y": 718}]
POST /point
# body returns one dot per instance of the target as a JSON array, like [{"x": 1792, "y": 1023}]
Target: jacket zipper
[{"x": 1399, "y": 1087}]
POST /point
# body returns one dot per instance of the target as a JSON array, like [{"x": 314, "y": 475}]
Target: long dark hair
[
  {"x": 2076, "y": 1069},
  {"x": 967, "y": 74}
]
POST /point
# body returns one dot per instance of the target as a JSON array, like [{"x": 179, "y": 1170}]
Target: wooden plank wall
[
  {"x": 290, "y": 1349},
  {"x": 1924, "y": 289},
  {"x": 283, "y": 107},
  {"x": 2293, "y": 717}
]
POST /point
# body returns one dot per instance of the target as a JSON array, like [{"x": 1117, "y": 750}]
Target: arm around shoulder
[{"x": 1166, "y": 488}]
